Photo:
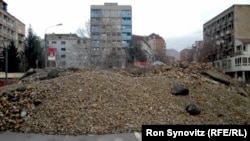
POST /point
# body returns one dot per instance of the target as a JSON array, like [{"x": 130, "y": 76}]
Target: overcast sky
[{"x": 179, "y": 22}]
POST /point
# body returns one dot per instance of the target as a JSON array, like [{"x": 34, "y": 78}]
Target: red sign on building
[{"x": 51, "y": 52}]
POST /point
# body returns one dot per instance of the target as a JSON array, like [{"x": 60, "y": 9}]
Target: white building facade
[
  {"x": 69, "y": 50},
  {"x": 227, "y": 38}
]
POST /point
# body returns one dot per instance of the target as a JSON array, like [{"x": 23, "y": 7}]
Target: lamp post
[
  {"x": 5, "y": 45},
  {"x": 45, "y": 43}
]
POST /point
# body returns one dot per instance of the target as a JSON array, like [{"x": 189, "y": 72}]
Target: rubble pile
[{"x": 80, "y": 101}]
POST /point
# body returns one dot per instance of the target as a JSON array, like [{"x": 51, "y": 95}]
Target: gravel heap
[{"x": 81, "y": 101}]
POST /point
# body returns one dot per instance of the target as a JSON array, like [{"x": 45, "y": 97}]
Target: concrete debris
[
  {"x": 82, "y": 101},
  {"x": 217, "y": 76}
]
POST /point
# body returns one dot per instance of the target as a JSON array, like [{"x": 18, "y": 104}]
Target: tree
[
  {"x": 33, "y": 50},
  {"x": 135, "y": 52},
  {"x": 84, "y": 30},
  {"x": 78, "y": 54},
  {"x": 205, "y": 52},
  {"x": 13, "y": 58},
  {"x": 113, "y": 57},
  {"x": 161, "y": 56}
]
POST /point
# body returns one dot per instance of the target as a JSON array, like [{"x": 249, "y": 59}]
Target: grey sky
[{"x": 179, "y": 22}]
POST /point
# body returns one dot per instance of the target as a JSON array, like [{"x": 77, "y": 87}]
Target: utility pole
[{"x": 5, "y": 45}]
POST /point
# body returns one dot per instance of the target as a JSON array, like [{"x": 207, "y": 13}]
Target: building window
[
  {"x": 78, "y": 41},
  {"x": 218, "y": 65},
  {"x": 244, "y": 48},
  {"x": 244, "y": 61},
  {"x": 229, "y": 64},
  {"x": 238, "y": 48},
  {"x": 63, "y": 63},
  {"x": 63, "y": 42},
  {"x": 63, "y": 56},
  {"x": 63, "y": 49},
  {"x": 53, "y": 42},
  {"x": 237, "y": 62}
]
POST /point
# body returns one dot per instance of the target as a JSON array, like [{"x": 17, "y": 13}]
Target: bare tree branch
[{"x": 83, "y": 31}]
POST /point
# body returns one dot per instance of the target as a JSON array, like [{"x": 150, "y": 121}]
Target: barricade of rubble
[{"x": 81, "y": 101}]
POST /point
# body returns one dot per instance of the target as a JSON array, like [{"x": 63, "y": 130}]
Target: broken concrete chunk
[{"x": 217, "y": 76}]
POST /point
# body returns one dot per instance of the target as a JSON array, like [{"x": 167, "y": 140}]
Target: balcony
[
  {"x": 126, "y": 15},
  {"x": 95, "y": 22},
  {"x": 238, "y": 53},
  {"x": 95, "y": 30},
  {"x": 127, "y": 30},
  {"x": 96, "y": 45},
  {"x": 126, "y": 22},
  {"x": 95, "y": 37},
  {"x": 93, "y": 14},
  {"x": 228, "y": 32},
  {"x": 126, "y": 37},
  {"x": 125, "y": 45}
]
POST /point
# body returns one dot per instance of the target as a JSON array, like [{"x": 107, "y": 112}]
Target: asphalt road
[{"x": 12, "y": 136}]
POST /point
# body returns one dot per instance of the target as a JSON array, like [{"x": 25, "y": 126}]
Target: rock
[
  {"x": 11, "y": 96},
  {"x": 95, "y": 105},
  {"x": 42, "y": 78},
  {"x": 192, "y": 109},
  {"x": 179, "y": 89},
  {"x": 23, "y": 113},
  {"x": 37, "y": 102},
  {"x": 53, "y": 74},
  {"x": 21, "y": 88}
]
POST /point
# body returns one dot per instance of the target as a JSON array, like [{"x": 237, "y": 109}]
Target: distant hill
[{"x": 174, "y": 53}]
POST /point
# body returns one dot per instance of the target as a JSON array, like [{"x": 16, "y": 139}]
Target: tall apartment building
[
  {"x": 67, "y": 50},
  {"x": 227, "y": 41},
  {"x": 11, "y": 29},
  {"x": 110, "y": 27}
]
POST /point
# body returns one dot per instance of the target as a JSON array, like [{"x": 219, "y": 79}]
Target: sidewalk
[{"x": 12, "y": 136}]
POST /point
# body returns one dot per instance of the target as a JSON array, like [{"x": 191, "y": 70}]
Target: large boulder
[
  {"x": 179, "y": 89},
  {"x": 53, "y": 74}
]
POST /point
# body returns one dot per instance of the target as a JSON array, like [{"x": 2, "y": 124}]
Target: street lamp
[
  {"x": 45, "y": 43},
  {"x": 5, "y": 45}
]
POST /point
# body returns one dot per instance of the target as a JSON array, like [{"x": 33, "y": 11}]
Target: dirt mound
[{"x": 121, "y": 100}]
